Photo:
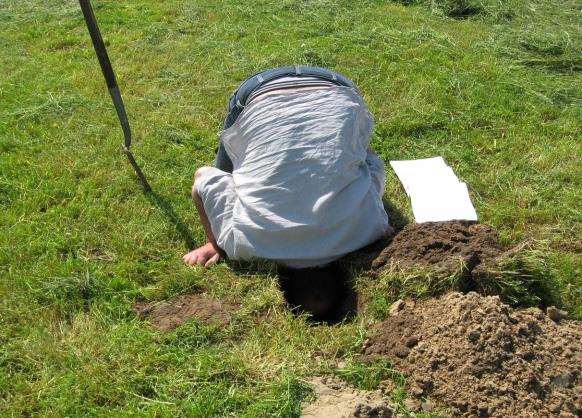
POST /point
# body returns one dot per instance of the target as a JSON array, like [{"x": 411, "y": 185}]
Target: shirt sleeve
[
  {"x": 216, "y": 190},
  {"x": 377, "y": 172}
]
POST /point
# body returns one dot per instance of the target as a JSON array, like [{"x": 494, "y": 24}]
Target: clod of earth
[
  {"x": 556, "y": 314},
  {"x": 335, "y": 399},
  {"x": 476, "y": 356},
  {"x": 396, "y": 307},
  {"x": 441, "y": 245},
  {"x": 464, "y": 256},
  {"x": 169, "y": 314}
]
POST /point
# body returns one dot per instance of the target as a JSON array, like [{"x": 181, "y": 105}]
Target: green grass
[{"x": 494, "y": 87}]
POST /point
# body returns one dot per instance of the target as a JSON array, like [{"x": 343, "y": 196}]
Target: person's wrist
[{"x": 218, "y": 249}]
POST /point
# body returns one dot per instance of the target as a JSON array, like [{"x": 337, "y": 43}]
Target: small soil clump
[
  {"x": 169, "y": 314},
  {"x": 441, "y": 245},
  {"x": 335, "y": 399},
  {"x": 476, "y": 356}
]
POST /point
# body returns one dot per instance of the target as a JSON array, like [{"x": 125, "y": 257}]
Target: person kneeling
[{"x": 295, "y": 180}]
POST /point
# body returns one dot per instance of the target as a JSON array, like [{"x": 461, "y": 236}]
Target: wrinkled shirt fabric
[{"x": 305, "y": 189}]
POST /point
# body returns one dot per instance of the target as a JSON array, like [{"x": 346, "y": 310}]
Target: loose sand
[
  {"x": 476, "y": 356},
  {"x": 337, "y": 400}
]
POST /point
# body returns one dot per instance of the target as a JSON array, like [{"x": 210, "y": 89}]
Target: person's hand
[{"x": 205, "y": 256}]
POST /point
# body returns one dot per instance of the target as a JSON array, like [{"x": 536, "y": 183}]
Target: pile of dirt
[
  {"x": 475, "y": 356},
  {"x": 169, "y": 314},
  {"x": 335, "y": 399},
  {"x": 443, "y": 246}
]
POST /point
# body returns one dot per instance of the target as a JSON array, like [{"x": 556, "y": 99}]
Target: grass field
[{"x": 493, "y": 86}]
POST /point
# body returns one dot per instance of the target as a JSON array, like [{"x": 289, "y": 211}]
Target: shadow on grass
[
  {"x": 166, "y": 208},
  {"x": 397, "y": 218}
]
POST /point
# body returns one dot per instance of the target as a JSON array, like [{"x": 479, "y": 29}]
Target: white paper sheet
[{"x": 435, "y": 192}]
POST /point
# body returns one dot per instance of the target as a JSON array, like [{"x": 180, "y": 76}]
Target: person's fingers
[
  {"x": 212, "y": 260},
  {"x": 201, "y": 258},
  {"x": 191, "y": 259}
]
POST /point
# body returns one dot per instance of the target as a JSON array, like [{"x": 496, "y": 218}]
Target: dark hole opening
[{"x": 326, "y": 293}]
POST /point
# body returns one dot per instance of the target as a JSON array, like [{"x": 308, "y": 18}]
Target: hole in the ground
[{"x": 326, "y": 293}]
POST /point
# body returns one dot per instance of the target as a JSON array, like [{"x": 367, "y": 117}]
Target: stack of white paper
[{"x": 435, "y": 191}]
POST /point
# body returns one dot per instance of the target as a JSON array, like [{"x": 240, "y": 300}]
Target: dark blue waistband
[{"x": 240, "y": 97}]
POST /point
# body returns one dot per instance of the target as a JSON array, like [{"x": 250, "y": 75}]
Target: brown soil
[
  {"x": 169, "y": 314},
  {"x": 441, "y": 245},
  {"x": 475, "y": 356},
  {"x": 337, "y": 400}
]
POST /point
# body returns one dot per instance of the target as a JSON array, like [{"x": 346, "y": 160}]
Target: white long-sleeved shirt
[{"x": 305, "y": 189}]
